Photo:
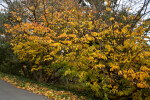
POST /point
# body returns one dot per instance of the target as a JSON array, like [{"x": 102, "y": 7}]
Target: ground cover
[{"x": 40, "y": 88}]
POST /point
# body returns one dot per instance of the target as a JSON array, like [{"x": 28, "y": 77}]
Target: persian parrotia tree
[{"x": 112, "y": 59}]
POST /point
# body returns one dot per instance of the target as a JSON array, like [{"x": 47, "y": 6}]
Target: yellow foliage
[
  {"x": 128, "y": 8},
  {"x": 112, "y": 18},
  {"x": 108, "y": 9},
  {"x": 124, "y": 17},
  {"x": 98, "y": 52}
]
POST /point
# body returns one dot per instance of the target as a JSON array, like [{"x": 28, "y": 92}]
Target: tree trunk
[
  {"x": 35, "y": 76},
  {"x": 40, "y": 75},
  {"x": 24, "y": 72}
]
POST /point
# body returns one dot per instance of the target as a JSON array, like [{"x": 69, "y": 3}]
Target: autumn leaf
[
  {"x": 112, "y": 18},
  {"x": 108, "y": 9}
]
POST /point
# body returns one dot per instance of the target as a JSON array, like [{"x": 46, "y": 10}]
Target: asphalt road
[{"x": 9, "y": 92}]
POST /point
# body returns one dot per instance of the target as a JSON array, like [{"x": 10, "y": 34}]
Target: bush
[{"x": 8, "y": 61}]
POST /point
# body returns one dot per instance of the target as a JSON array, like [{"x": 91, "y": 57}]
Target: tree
[{"x": 109, "y": 56}]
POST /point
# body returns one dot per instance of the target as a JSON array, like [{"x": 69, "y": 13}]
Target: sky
[
  {"x": 1, "y": 7},
  {"x": 134, "y": 6}
]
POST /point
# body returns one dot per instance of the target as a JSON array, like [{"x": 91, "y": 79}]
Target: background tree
[{"x": 8, "y": 61}]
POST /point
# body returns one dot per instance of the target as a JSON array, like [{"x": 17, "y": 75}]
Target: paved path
[{"x": 9, "y": 92}]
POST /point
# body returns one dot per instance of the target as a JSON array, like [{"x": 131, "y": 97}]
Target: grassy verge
[{"x": 47, "y": 90}]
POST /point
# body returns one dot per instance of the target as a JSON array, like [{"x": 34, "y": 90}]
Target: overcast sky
[{"x": 134, "y": 5}]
